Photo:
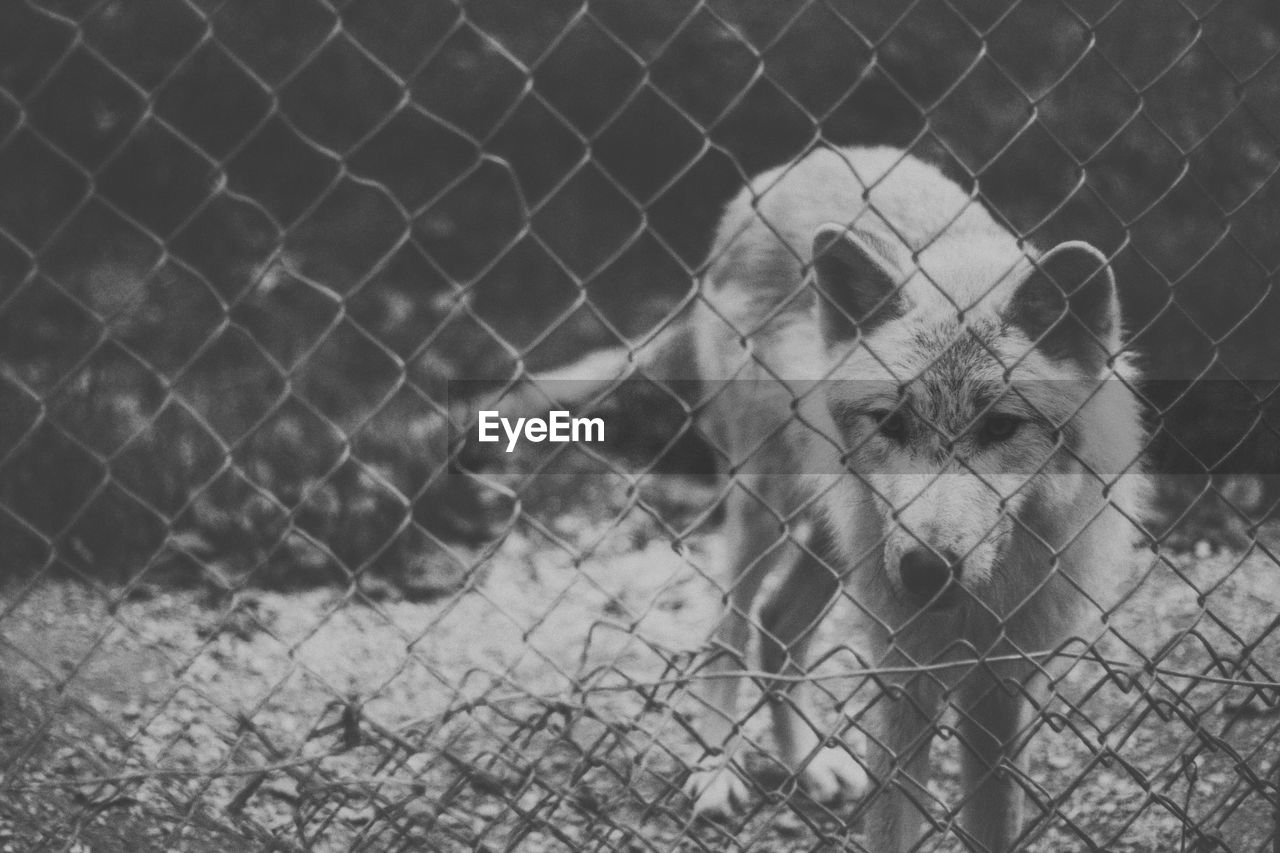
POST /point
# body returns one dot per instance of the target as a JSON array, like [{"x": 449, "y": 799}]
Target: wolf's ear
[
  {"x": 857, "y": 283},
  {"x": 1068, "y": 305}
]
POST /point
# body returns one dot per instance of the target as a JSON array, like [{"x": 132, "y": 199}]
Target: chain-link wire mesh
[{"x": 262, "y": 265}]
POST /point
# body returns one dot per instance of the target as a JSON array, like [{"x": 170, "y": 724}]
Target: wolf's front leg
[
  {"x": 716, "y": 785},
  {"x": 755, "y": 548},
  {"x": 828, "y": 773},
  {"x": 993, "y": 728},
  {"x": 905, "y": 721}
]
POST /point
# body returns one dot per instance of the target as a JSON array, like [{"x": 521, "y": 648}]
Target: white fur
[{"x": 1040, "y": 542}]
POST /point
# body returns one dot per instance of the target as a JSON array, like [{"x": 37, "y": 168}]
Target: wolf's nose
[{"x": 925, "y": 573}]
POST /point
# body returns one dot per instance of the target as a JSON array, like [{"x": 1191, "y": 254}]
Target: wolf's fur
[{"x": 869, "y": 268}]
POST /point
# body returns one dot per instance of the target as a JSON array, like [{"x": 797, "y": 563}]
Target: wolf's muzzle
[{"x": 931, "y": 578}]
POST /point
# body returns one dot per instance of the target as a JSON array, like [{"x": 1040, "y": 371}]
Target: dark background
[{"x": 245, "y": 245}]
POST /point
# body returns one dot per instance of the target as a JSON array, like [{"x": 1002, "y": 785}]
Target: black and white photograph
[{"x": 631, "y": 426}]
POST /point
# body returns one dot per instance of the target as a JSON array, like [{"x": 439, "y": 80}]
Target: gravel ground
[{"x": 542, "y": 709}]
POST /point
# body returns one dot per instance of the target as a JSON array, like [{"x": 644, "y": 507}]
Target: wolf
[{"x": 924, "y": 412}]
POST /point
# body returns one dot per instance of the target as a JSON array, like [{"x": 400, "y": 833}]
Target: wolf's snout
[{"x": 930, "y": 577}]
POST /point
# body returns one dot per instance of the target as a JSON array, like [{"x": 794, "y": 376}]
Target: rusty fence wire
[{"x": 261, "y": 261}]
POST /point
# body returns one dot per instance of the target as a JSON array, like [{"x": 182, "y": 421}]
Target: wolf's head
[{"x": 964, "y": 385}]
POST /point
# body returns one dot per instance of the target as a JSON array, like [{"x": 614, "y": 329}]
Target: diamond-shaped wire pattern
[{"x": 260, "y": 263}]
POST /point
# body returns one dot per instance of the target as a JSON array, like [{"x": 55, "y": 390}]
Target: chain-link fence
[{"x": 263, "y": 264}]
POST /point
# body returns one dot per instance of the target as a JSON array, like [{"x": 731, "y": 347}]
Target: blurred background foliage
[{"x": 245, "y": 245}]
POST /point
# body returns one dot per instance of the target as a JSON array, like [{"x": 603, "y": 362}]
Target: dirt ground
[{"x": 544, "y": 708}]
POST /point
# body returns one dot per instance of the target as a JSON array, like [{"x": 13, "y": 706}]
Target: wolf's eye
[
  {"x": 891, "y": 424},
  {"x": 998, "y": 428}
]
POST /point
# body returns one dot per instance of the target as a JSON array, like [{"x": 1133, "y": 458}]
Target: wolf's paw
[
  {"x": 717, "y": 792},
  {"x": 833, "y": 775}
]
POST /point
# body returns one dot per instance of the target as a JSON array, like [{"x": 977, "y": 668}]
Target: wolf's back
[{"x": 764, "y": 240}]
